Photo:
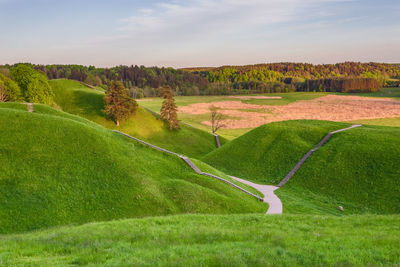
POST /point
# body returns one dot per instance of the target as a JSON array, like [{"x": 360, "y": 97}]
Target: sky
[{"x": 189, "y": 33}]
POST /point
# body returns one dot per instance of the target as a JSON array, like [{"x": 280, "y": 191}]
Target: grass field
[
  {"x": 206, "y": 240},
  {"x": 78, "y": 99},
  {"x": 60, "y": 169},
  {"x": 286, "y": 98}
]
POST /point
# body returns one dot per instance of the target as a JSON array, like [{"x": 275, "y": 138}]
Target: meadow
[
  {"x": 212, "y": 240},
  {"x": 73, "y": 192}
]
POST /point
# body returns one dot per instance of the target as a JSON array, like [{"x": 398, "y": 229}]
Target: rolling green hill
[
  {"x": 209, "y": 240},
  {"x": 58, "y": 169},
  {"x": 75, "y": 98},
  {"x": 266, "y": 154},
  {"x": 357, "y": 169}
]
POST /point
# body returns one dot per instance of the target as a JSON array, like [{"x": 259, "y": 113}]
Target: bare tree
[
  {"x": 216, "y": 120},
  {"x": 3, "y": 95}
]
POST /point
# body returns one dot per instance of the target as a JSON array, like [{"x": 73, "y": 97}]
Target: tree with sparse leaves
[
  {"x": 118, "y": 104},
  {"x": 169, "y": 110},
  {"x": 216, "y": 119}
]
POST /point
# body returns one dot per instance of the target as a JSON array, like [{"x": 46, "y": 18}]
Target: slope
[
  {"x": 206, "y": 240},
  {"x": 266, "y": 154},
  {"x": 78, "y": 99},
  {"x": 356, "y": 169},
  {"x": 60, "y": 169}
]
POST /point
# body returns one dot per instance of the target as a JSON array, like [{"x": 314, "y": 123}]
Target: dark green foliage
[
  {"x": 227, "y": 80},
  {"x": 34, "y": 85},
  {"x": 9, "y": 90},
  {"x": 59, "y": 169},
  {"x": 343, "y": 85},
  {"x": 169, "y": 110},
  {"x": 118, "y": 104}
]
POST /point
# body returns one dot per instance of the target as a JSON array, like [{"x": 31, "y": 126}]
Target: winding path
[{"x": 274, "y": 202}]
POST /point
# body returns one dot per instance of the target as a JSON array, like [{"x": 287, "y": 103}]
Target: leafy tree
[
  {"x": 34, "y": 85},
  {"x": 118, "y": 104},
  {"x": 169, "y": 110},
  {"x": 9, "y": 90}
]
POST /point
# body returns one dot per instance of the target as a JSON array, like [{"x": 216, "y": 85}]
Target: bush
[
  {"x": 9, "y": 90},
  {"x": 34, "y": 85}
]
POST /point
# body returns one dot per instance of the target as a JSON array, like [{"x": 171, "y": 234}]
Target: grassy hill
[
  {"x": 267, "y": 153},
  {"x": 78, "y": 99},
  {"x": 357, "y": 169},
  {"x": 209, "y": 240},
  {"x": 58, "y": 169}
]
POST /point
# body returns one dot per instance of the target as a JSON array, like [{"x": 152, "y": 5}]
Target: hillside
[
  {"x": 357, "y": 169},
  {"x": 78, "y": 99},
  {"x": 209, "y": 240},
  {"x": 266, "y": 154},
  {"x": 60, "y": 169}
]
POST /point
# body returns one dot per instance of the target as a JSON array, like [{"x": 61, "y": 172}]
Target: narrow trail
[
  {"x": 30, "y": 107},
  {"x": 306, "y": 156},
  {"x": 274, "y": 202}
]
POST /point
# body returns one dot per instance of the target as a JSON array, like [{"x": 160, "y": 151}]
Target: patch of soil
[{"x": 330, "y": 107}]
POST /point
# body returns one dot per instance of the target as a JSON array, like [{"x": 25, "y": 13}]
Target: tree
[
  {"x": 34, "y": 85},
  {"x": 216, "y": 119},
  {"x": 9, "y": 90},
  {"x": 118, "y": 104},
  {"x": 169, "y": 111}
]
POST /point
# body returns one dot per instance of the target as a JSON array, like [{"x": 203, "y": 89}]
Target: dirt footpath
[{"x": 330, "y": 107}]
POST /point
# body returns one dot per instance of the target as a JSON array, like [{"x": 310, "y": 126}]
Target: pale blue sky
[{"x": 182, "y": 33}]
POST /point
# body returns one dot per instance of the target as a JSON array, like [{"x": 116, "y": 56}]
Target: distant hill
[{"x": 58, "y": 169}]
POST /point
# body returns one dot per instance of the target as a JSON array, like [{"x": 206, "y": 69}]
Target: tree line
[{"x": 262, "y": 78}]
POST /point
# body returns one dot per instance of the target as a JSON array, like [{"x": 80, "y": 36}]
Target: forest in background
[{"x": 261, "y": 78}]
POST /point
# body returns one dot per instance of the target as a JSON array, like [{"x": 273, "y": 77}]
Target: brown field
[{"x": 330, "y": 107}]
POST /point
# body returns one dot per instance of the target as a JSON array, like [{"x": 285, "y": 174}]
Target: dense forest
[{"x": 262, "y": 78}]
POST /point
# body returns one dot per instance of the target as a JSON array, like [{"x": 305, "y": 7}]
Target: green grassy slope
[
  {"x": 78, "y": 99},
  {"x": 267, "y": 153},
  {"x": 228, "y": 240},
  {"x": 59, "y": 169},
  {"x": 359, "y": 169}
]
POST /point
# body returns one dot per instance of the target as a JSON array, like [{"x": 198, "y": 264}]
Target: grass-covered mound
[
  {"x": 359, "y": 169},
  {"x": 78, "y": 99},
  {"x": 266, "y": 154},
  {"x": 207, "y": 240},
  {"x": 59, "y": 169}
]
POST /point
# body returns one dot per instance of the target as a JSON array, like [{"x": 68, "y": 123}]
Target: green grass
[
  {"x": 266, "y": 154},
  {"x": 154, "y": 104},
  {"x": 393, "y": 122},
  {"x": 383, "y": 92},
  {"x": 59, "y": 169},
  {"x": 204, "y": 167},
  {"x": 206, "y": 240},
  {"x": 78, "y": 99},
  {"x": 357, "y": 168}
]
